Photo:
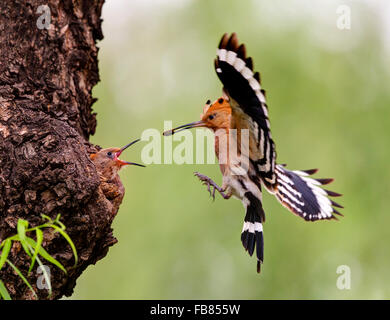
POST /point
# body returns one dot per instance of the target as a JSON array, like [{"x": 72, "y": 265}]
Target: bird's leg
[{"x": 210, "y": 183}]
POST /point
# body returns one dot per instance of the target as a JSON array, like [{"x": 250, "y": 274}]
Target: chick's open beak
[
  {"x": 124, "y": 163},
  {"x": 195, "y": 124}
]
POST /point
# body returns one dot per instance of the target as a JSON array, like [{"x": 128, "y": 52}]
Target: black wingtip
[
  {"x": 335, "y": 204},
  {"x": 232, "y": 43},
  {"x": 332, "y": 193},
  {"x": 325, "y": 181},
  {"x": 336, "y": 212},
  {"x": 249, "y": 63},
  {"x": 257, "y": 77},
  {"x": 224, "y": 41},
  {"x": 310, "y": 171},
  {"x": 241, "y": 52}
]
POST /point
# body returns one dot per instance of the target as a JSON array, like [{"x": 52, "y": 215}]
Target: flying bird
[{"x": 243, "y": 106}]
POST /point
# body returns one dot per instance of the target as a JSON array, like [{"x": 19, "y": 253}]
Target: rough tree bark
[{"x": 46, "y": 78}]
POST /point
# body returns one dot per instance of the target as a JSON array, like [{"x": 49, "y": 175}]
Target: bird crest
[
  {"x": 205, "y": 108},
  {"x": 219, "y": 104}
]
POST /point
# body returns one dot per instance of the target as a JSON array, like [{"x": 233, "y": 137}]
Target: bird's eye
[
  {"x": 109, "y": 153},
  {"x": 211, "y": 116}
]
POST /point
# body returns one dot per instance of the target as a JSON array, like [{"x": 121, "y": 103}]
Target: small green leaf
[
  {"x": 57, "y": 218},
  {"x": 22, "y": 276},
  {"x": 45, "y": 254},
  {"x": 4, "y": 292},
  {"x": 5, "y": 251},
  {"x": 61, "y": 225},
  {"x": 13, "y": 238},
  {"x": 22, "y": 226},
  {"x": 47, "y": 218},
  {"x": 67, "y": 238},
  {"x": 39, "y": 235},
  {"x": 34, "y": 249}
]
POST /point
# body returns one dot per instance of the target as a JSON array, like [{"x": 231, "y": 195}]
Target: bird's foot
[{"x": 211, "y": 184}]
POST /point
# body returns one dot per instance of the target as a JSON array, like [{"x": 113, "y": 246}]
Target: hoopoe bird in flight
[
  {"x": 107, "y": 161},
  {"x": 243, "y": 106}
]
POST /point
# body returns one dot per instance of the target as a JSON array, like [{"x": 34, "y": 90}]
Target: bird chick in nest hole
[{"x": 108, "y": 164}]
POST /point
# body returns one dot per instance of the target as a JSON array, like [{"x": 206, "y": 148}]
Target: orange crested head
[{"x": 217, "y": 115}]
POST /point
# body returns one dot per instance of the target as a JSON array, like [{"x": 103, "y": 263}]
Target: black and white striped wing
[
  {"x": 304, "y": 196},
  {"x": 243, "y": 87}
]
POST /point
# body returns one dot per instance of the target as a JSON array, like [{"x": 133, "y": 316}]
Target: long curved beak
[
  {"x": 124, "y": 163},
  {"x": 126, "y": 146},
  {"x": 195, "y": 124}
]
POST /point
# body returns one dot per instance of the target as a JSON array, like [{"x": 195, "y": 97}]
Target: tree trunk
[{"x": 47, "y": 71}]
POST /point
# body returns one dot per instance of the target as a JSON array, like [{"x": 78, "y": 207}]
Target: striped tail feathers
[
  {"x": 252, "y": 232},
  {"x": 304, "y": 196}
]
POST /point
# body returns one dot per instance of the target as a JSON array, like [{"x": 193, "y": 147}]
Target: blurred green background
[{"x": 328, "y": 97}]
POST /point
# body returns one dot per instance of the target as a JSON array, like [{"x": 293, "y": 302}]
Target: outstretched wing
[
  {"x": 304, "y": 196},
  {"x": 247, "y": 98}
]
